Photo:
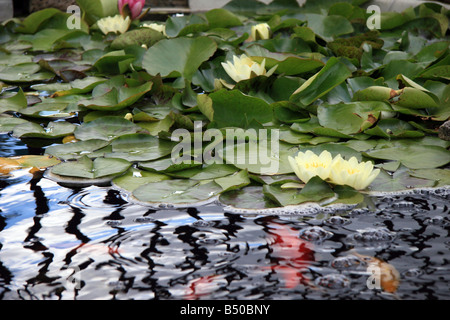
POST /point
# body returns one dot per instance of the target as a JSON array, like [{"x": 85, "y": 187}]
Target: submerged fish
[{"x": 389, "y": 277}]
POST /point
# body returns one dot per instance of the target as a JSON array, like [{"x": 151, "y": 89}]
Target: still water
[{"x": 92, "y": 243}]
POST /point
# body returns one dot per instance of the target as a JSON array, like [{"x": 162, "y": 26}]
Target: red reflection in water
[
  {"x": 291, "y": 257},
  {"x": 292, "y": 254}
]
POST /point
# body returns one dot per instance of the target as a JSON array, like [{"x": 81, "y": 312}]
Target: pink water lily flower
[{"x": 135, "y": 7}]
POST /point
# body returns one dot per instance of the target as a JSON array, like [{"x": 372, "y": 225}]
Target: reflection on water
[{"x": 90, "y": 243}]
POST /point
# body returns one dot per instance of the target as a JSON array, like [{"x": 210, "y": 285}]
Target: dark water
[{"x": 90, "y": 243}]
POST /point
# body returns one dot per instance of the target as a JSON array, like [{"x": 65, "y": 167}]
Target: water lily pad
[
  {"x": 413, "y": 156},
  {"x": 91, "y": 148},
  {"x": 91, "y": 169},
  {"x": 135, "y": 178},
  {"x": 79, "y": 86},
  {"x": 140, "y": 147},
  {"x": 251, "y": 198},
  {"x": 234, "y": 109},
  {"x": 288, "y": 64},
  {"x": 23, "y": 73},
  {"x": 23, "y": 162},
  {"x": 330, "y": 76},
  {"x": 53, "y": 130},
  {"x": 315, "y": 190},
  {"x": 260, "y": 158},
  {"x": 351, "y": 118},
  {"x": 13, "y": 103},
  {"x": 442, "y": 176},
  {"x": 177, "y": 193},
  {"x": 117, "y": 99},
  {"x": 394, "y": 128},
  {"x": 7, "y": 124},
  {"x": 105, "y": 128},
  {"x": 178, "y": 57},
  {"x": 401, "y": 180},
  {"x": 144, "y": 36}
]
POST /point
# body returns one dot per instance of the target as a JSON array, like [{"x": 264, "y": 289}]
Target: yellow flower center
[
  {"x": 314, "y": 165},
  {"x": 353, "y": 171}
]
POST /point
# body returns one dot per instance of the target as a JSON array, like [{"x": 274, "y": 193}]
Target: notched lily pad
[
  {"x": 53, "y": 130},
  {"x": 105, "y": 128},
  {"x": 85, "y": 171}
]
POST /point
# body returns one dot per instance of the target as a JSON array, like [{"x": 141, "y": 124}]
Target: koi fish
[{"x": 389, "y": 276}]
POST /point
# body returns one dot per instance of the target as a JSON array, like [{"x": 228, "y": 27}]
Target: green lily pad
[
  {"x": 288, "y": 64},
  {"x": 168, "y": 165},
  {"x": 401, "y": 180},
  {"x": 247, "y": 198},
  {"x": 23, "y": 73},
  {"x": 144, "y": 36},
  {"x": 442, "y": 176},
  {"x": 140, "y": 147},
  {"x": 394, "y": 128},
  {"x": 53, "y": 130},
  {"x": 105, "y": 128},
  {"x": 135, "y": 178},
  {"x": 330, "y": 76},
  {"x": 7, "y": 124},
  {"x": 91, "y": 148},
  {"x": 117, "y": 99},
  {"x": 234, "y": 109},
  {"x": 413, "y": 156},
  {"x": 13, "y": 103},
  {"x": 260, "y": 158},
  {"x": 177, "y": 193},
  {"x": 351, "y": 118},
  {"x": 179, "y": 57},
  {"x": 315, "y": 190},
  {"x": 91, "y": 169}
]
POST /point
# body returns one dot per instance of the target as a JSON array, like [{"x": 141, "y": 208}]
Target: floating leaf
[
  {"x": 14, "y": 103},
  {"x": 117, "y": 99},
  {"x": 105, "y": 128},
  {"x": 315, "y": 190},
  {"x": 331, "y": 75},
  {"x": 178, "y": 57},
  {"x": 247, "y": 198},
  {"x": 413, "y": 156},
  {"x": 234, "y": 109},
  {"x": 140, "y": 147},
  {"x": 88, "y": 169},
  {"x": 177, "y": 193},
  {"x": 53, "y": 130},
  {"x": 135, "y": 178},
  {"x": 7, "y": 124},
  {"x": 401, "y": 180},
  {"x": 91, "y": 148},
  {"x": 144, "y": 36},
  {"x": 23, "y": 162}
]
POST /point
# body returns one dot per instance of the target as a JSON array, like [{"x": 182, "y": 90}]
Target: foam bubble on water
[
  {"x": 315, "y": 234},
  {"x": 372, "y": 235},
  {"x": 347, "y": 262},
  {"x": 333, "y": 281}
]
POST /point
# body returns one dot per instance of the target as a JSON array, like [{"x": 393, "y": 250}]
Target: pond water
[{"x": 91, "y": 243}]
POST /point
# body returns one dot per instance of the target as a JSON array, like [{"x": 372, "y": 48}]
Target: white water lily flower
[
  {"x": 114, "y": 24},
  {"x": 307, "y": 165},
  {"x": 244, "y": 68},
  {"x": 352, "y": 173},
  {"x": 260, "y": 31},
  {"x": 156, "y": 26}
]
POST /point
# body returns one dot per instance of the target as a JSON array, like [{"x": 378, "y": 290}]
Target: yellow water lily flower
[
  {"x": 260, "y": 31},
  {"x": 156, "y": 26},
  {"x": 307, "y": 165},
  {"x": 244, "y": 68},
  {"x": 116, "y": 24},
  {"x": 352, "y": 173}
]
